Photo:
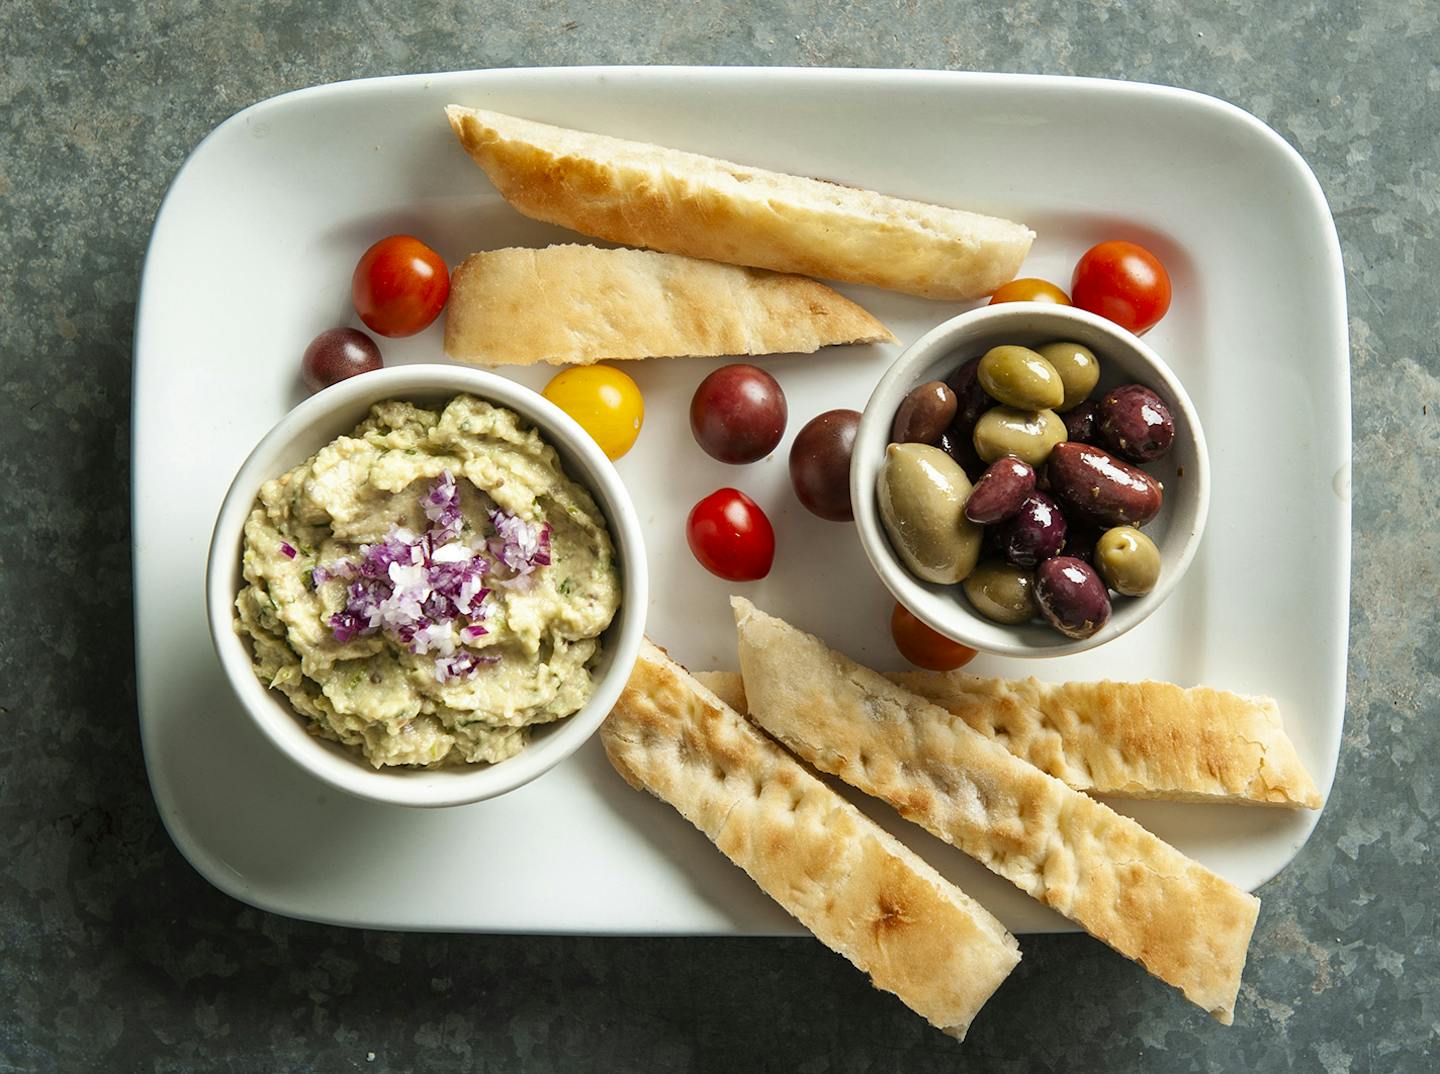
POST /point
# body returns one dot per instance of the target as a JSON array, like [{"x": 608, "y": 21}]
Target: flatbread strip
[
  {"x": 1103, "y": 871},
  {"x": 645, "y": 195},
  {"x": 582, "y": 304},
  {"x": 861, "y": 892},
  {"x": 1131, "y": 740}
]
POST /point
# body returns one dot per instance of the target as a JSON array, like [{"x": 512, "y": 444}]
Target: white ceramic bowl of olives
[{"x": 1030, "y": 479}]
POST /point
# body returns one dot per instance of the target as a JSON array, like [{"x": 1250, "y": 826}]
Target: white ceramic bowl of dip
[
  {"x": 313, "y": 424},
  {"x": 1124, "y": 359}
]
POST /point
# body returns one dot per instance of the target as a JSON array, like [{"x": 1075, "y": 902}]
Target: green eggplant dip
[{"x": 428, "y": 586}]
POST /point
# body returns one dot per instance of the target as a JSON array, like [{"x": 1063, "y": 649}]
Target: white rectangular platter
[{"x": 252, "y": 255}]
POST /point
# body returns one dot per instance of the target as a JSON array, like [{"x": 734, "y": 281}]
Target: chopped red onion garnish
[
  {"x": 462, "y": 664},
  {"x": 417, "y": 588},
  {"x": 522, "y": 546},
  {"x": 400, "y": 546},
  {"x": 435, "y": 637},
  {"x": 442, "y": 508},
  {"x": 288, "y": 549},
  {"x": 361, "y": 614},
  {"x": 341, "y": 570}
]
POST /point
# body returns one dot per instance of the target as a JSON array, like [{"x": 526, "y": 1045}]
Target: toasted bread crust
[
  {"x": 862, "y": 893},
  {"x": 1133, "y": 739},
  {"x": 646, "y": 195},
  {"x": 581, "y": 304},
  {"x": 1101, "y": 870},
  {"x": 1148, "y": 740}
]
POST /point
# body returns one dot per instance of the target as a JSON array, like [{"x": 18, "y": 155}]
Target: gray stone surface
[{"x": 116, "y": 956}]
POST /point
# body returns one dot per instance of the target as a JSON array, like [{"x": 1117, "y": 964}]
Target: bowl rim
[
  {"x": 873, "y": 436},
  {"x": 272, "y": 713}
]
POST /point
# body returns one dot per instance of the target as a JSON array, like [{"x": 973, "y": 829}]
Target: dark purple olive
[
  {"x": 992, "y": 545},
  {"x": 1071, "y": 596},
  {"x": 820, "y": 464},
  {"x": 970, "y": 399},
  {"x": 1107, "y": 491},
  {"x": 1035, "y": 533},
  {"x": 1001, "y": 490},
  {"x": 924, "y": 414},
  {"x": 1135, "y": 423},
  {"x": 336, "y": 355},
  {"x": 961, "y": 447},
  {"x": 1080, "y": 538},
  {"x": 1080, "y": 423}
]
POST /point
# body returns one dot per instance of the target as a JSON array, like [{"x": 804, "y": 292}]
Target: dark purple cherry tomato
[
  {"x": 738, "y": 414},
  {"x": 338, "y": 354},
  {"x": 820, "y": 464}
]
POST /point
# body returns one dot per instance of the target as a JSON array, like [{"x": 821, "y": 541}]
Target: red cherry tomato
[
  {"x": 730, "y": 536},
  {"x": 400, "y": 286},
  {"x": 924, "y": 647},
  {"x": 1029, "y": 289},
  {"x": 1122, "y": 282}
]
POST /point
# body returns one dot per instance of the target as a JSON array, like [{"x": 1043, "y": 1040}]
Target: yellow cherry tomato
[
  {"x": 1030, "y": 289},
  {"x": 606, "y": 403}
]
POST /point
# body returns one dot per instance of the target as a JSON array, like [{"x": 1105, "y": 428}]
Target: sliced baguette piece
[
  {"x": 1127, "y": 739},
  {"x": 582, "y": 304},
  {"x": 646, "y": 195},
  {"x": 859, "y": 890},
  {"x": 1180, "y": 921}
]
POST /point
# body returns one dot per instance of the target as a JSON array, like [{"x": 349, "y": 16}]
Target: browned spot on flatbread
[{"x": 889, "y": 916}]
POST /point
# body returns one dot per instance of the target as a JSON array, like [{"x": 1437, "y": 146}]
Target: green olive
[
  {"x": 1018, "y": 377},
  {"x": 1077, "y": 368},
  {"x": 1027, "y": 434},
  {"x": 922, "y": 493},
  {"x": 1001, "y": 592},
  {"x": 1127, "y": 560}
]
